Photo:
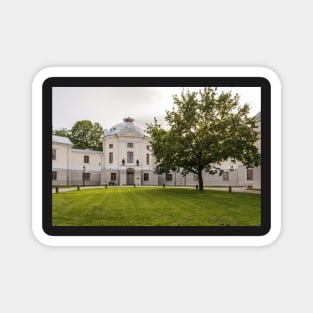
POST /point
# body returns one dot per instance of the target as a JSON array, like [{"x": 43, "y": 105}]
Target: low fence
[{"x": 76, "y": 182}]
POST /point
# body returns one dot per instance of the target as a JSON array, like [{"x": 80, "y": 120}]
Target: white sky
[{"x": 109, "y": 105}]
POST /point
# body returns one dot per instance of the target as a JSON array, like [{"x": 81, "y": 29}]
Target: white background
[{"x": 37, "y": 34}]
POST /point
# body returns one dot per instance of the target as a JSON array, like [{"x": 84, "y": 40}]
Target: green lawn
[{"x": 155, "y": 206}]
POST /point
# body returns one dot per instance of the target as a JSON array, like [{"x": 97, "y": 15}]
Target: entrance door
[{"x": 130, "y": 177}]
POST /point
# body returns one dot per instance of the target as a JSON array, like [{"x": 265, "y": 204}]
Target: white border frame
[{"x": 156, "y": 240}]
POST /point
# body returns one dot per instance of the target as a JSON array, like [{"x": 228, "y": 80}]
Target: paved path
[
  {"x": 225, "y": 189},
  {"x": 234, "y": 189},
  {"x": 63, "y": 189}
]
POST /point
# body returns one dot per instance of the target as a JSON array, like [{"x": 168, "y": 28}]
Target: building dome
[{"x": 128, "y": 124}]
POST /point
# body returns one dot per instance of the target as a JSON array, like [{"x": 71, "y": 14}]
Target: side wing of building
[{"x": 74, "y": 166}]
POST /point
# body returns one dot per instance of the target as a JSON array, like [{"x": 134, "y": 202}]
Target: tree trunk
[{"x": 200, "y": 181}]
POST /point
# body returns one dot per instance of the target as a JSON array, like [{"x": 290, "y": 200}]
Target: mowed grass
[{"x": 155, "y": 206}]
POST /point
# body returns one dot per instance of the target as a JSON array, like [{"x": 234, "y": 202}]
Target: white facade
[
  {"x": 73, "y": 166},
  {"x": 127, "y": 159}
]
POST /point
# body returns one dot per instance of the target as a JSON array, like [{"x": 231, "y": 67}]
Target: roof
[
  {"x": 86, "y": 151},
  {"x": 120, "y": 128},
  {"x": 60, "y": 139}
]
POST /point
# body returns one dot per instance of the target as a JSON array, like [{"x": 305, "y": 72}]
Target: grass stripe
[{"x": 155, "y": 207}]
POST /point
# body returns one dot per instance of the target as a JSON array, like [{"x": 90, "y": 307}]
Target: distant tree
[
  {"x": 205, "y": 129},
  {"x": 63, "y": 132},
  {"x": 86, "y": 135}
]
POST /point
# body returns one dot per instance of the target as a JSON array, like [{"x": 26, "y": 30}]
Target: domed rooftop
[{"x": 124, "y": 127}]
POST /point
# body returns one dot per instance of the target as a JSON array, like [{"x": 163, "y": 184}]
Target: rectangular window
[
  {"x": 86, "y": 158},
  {"x": 148, "y": 147},
  {"x": 146, "y": 176},
  {"x": 195, "y": 177},
  {"x": 130, "y": 157},
  {"x": 54, "y": 175},
  {"x": 169, "y": 177},
  {"x": 54, "y": 154},
  {"x": 111, "y": 146},
  {"x": 111, "y": 157},
  {"x": 86, "y": 177},
  {"x": 250, "y": 174},
  {"x": 113, "y": 176},
  {"x": 148, "y": 158},
  {"x": 225, "y": 176},
  {"x": 130, "y": 145}
]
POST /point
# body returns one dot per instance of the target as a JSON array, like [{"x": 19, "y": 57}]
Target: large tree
[
  {"x": 86, "y": 135},
  {"x": 205, "y": 128}
]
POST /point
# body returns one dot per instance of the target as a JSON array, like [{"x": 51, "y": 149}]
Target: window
[
  {"x": 250, "y": 174},
  {"x": 111, "y": 157},
  {"x": 86, "y": 177},
  {"x": 148, "y": 158},
  {"x": 146, "y": 176},
  {"x": 225, "y": 176},
  {"x": 195, "y": 177},
  {"x": 111, "y": 146},
  {"x": 130, "y": 157},
  {"x": 113, "y": 176},
  {"x": 54, "y": 175},
  {"x": 169, "y": 177},
  {"x": 86, "y": 158},
  {"x": 148, "y": 147},
  {"x": 54, "y": 154},
  {"x": 130, "y": 145}
]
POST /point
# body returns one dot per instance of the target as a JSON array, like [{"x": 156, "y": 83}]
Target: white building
[
  {"x": 127, "y": 159},
  {"x": 73, "y": 166}
]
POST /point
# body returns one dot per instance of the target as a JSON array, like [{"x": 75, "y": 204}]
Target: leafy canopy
[
  {"x": 84, "y": 135},
  {"x": 63, "y": 132},
  {"x": 205, "y": 128}
]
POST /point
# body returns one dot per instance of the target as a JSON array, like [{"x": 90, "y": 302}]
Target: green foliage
[
  {"x": 205, "y": 129},
  {"x": 63, "y": 132},
  {"x": 86, "y": 135}
]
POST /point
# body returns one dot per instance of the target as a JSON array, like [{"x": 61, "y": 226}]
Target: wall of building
[
  {"x": 77, "y": 160},
  {"x": 153, "y": 178},
  {"x": 118, "y": 145},
  {"x": 62, "y": 176},
  {"x": 256, "y": 184},
  {"x": 113, "y": 140},
  {"x": 242, "y": 175},
  {"x": 62, "y": 157},
  {"x": 120, "y": 150},
  {"x": 69, "y": 165},
  {"x": 77, "y": 178},
  {"x": 208, "y": 180},
  {"x": 61, "y": 164}
]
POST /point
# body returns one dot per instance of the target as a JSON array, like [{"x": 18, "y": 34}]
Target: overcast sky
[{"x": 109, "y": 105}]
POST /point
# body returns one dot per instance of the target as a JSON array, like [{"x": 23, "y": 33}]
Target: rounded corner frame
[{"x": 270, "y": 237}]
